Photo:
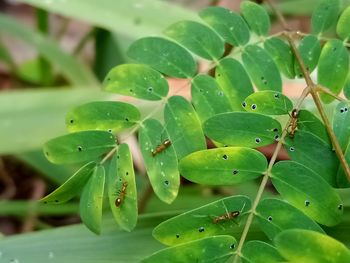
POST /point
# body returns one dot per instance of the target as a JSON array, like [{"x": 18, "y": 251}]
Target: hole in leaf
[
  {"x": 340, "y": 207},
  {"x": 127, "y": 173},
  {"x": 126, "y": 119},
  {"x": 233, "y": 246},
  {"x": 80, "y": 148},
  {"x": 244, "y": 104},
  {"x": 150, "y": 89},
  {"x": 109, "y": 130},
  {"x": 177, "y": 235},
  {"x": 220, "y": 93},
  {"x": 276, "y": 137},
  {"x": 130, "y": 90},
  {"x": 265, "y": 82},
  {"x": 307, "y": 203},
  {"x": 235, "y": 171},
  {"x": 166, "y": 183},
  {"x": 257, "y": 140},
  {"x": 341, "y": 110},
  {"x": 277, "y": 96},
  {"x": 275, "y": 130},
  {"x": 201, "y": 229},
  {"x": 225, "y": 157},
  {"x": 269, "y": 218},
  {"x": 71, "y": 121},
  {"x": 292, "y": 149},
  {"x": 345, "y": 109},
  {"x": 253, "y": 107},
  {"x": 56, "y": 201}
]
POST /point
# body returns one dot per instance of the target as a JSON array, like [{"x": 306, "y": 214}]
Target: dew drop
[
  {"x": 253, "y": 107},
  {"x": 257, "y": 140},
  {"x": 307, "y": 203},
  {"x": 231, "y": 28},
  {"x": 340, "y": 207},
  {"x": 269, "y": 218},
  {"x": 177, "y": 235},
  {"x": 161, "y": 163},
  {"x": 292, "y": 149},
  {"x": 80, "y": 148},
  {"x": 232, "y": 246},
  {"x": 51, "y": 255},
  {"x": 244, "y": 104},
  {"x": 225, "y": 157},
  {"x": 235, "y": 172},
  {"x": 201, "y": 229}
]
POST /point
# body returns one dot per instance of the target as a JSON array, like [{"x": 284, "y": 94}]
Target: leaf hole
[
  {"x": 225, "y": 157},
  {"x": 220, "y": 93},
  {"x": 177, "y": 235},
  {"x": 275, "y": 130},
  {"x": 253, "y": 107},
  {"x": 269, "y": 218},
  {"x": 307, "y": 203},
  {"x": 127, "y": 173},
  {"x": 71, "y": 121},
  {"x": 277, "y": 96},
  {"x": 235, "y": 172},
  {"x": 341, "y": 110},
  {"x": 126, "y": 119},
  {"x": 150, "y": 89},
  {"x": 340, "y": 207},
  {"x": 80, "y": 148},
  {"x": 166, "y": 183},
  {"x": 291, "y": 149},
  {"x": 244, "y": 104},
  {"x": 110, "y": 130},
  {"x": 276, "y": 137},
  {"x": 201, "y": 229},
  {"x": 265, "y": 82},
  {"x": 233, "y": 246},
  {"x": 257, "y": 140}
]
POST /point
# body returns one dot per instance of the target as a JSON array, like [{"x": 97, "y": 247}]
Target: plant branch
[{"x": 319, "y": 88}]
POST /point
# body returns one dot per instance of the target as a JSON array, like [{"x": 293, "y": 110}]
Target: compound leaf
[
  {"x": 207, "y": 97},
  {"x": 163, "y": 55},
  {"x": 343, "y": 29},
  {"x": 183, "y": 126},
  {"x": 231, "y": 26},
  {"x": 268, "y": 102},
  {"x": 308, "y": 192},
  {"x": 242, "y": 129},
  {"x": 234, "y": 81},
  {"x": 139, "y": 81},
  {"x": 200, "y": 222},
  {"x": 275, "y": 216},
  {"x": 256, "y": 17},
  {"x": 92, "y": 200},
  {"x": 261, "y": 68},
  {"x": 212, "y": 249},
  {"x": 325, "y": 16},
  {"x": 308, "y": 246},
  {"x": 102, "y": 115},
  {"x": 198, "y": 38},
  {"x": 122, "y": 188},
  {"x": 71, "y": 187},
  {"x": 161, "y": 167},
  {"x": 260, "y": 252},
  {"x": 79, "y": 146},
  {"x": 223, "y": 166},
  {"x": 333, "y": 68}
]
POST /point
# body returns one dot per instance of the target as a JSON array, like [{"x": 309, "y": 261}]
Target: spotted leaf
[
  {"x": 136, "y": 80},
  {"x": 102, "y": 115},
  {"x": 261, "y": 68},
  {"x": 242, "y": 129},
  {"x": 160, "y": 160},
  {"x": 234, "y": 81},
  {"x": 79, "y": 147},
  {"x": 231, "y": 26},
  {"x": 308, "y": 246},
  {"x": 275, "y": 216},
  {"x": 92, "y": 199},
  {"x": 204, "y": 221},
  {"x": 207, "y": 97},
  {"x": 198, "y": 38},
  {"x": 325, "y": 16},
  {"x": 308, "y": 192},
  {"x": 268, "y": 102},
  {"x": 223, "y": 166},
  {"x": 183, "y": 126},
  {"x": 72, "y": 187},
  {"x": 212, "y": 249},
  {"x": 163, "y": 55},
  {"x": 122, "y": 188}
]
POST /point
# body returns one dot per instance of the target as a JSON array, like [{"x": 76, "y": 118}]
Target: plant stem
[{"x": 85, "y": 39}]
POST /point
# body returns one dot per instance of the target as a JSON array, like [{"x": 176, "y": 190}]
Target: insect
[
  {"x": 228, "y": 215},
  {"x": 161, "y": 147},
  {"x": 122, "y": 194},
  {"x": 293, "y": 123}
]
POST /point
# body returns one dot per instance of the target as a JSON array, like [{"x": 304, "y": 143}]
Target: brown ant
[
  {"x": 122, "y": 194},
  {"x": 227, "y": 215},
  {"x": 293, "y": 123},
  {"x": 160, "y": 148}
]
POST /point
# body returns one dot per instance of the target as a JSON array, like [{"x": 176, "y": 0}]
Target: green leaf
[
  {"x": 341, "y": 124},
  {"x": 268, "y": 102},
  {"x": 230, "y": 26},
  {"x": 212, "y": 249},
  {"x": 261, "y": 68},
  {"x": 308, "y": 122},
  {"x": 308, "y": 192},
  {"x": 256, "y": 17},
  {"x": 102, "y": 115},
  {"x": 346, "y": 88},
  {"x": 199, "y": 223},
  {"x": 121, "y": 177},
  {"x": 77, "y": 73},
  {"x": 79, "y": 146},
  {"x": 92, "y": 200},
  {"x": 333, "y": 68},
  {"x": 223, "y": 166},
  {"x": 308, "y": 149},
  {"x": 343, "y": 29},
  {"x": 183, "y": 126},
  {"x": 139, "y": 81},
  {"x": 234, "y": 81},
  {"x": 342, "y": 179},
  {"x": 325, "y": 16},
  {"x": 161, "y": 167},
  {"x": 207, "y": 97},
  {"x": 308, "y": 246},
  {"x": 6, "y": 56},
  {"x": 128, "y": 18},
  {"x": 242, "y": 129},
  {"x": 198, "y": 38},
  {"x": 275, "y": 216},
  {"x": 71, "y": 187},
  {"x": 260, "y": 252},
  {"x": 309, "y": 49},
  {"x": 163, "y": 55},
  {"x": 282, "y": 54}
]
